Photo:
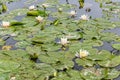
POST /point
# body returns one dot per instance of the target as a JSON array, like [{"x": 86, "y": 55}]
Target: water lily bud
[
  {"x": 32, "y": 7},
  {"x": 60, "y": 9},
  {"x": 4, "y": 7},
  {"x": 5, "y": 24},
  {"x": 82, "y": 53},
  {"x": 55, "y": 74},
  {"x": 13, "y": 78},
  {"x": 84, "y": 17},
  {"x": 64, "y": 41},
  {"x": 45, "y": 5},
  {"x": 39, "y": 19},
  {"x": 73, "y": 13}
]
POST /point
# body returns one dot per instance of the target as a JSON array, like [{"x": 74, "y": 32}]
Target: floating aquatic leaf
[
  {"x": 110, "y": 62},
  {"x": 102, "y": 56},
  {"x": 92, "y": 74},
  {"x": 116, "y": 46},
  {"x": 1, "y": 42},
  {"x": 8, "y": 66},
  {"x": 22, "y": 44},
  {"x": 85, "y": 62},
  {"x": 111, "y": 74}
]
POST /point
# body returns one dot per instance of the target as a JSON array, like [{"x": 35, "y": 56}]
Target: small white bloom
[
  {"x": 84, "y": 17},
  {"x": 19, "y": 14},
  {"x": 60, "y": 9},
  {"x": 64, "y": 41},
  {"x": 73, "y": 13},
  {"x": 45, "y": 5},
  {"x": 32, "y": 7},
  {"x": 5, "y": 24},
  {"x": 82, "y": 53},
  {"x": 13, "y": 78},
  {"x": 13, "y": 34},
  {"x": 39, "y": 19}
]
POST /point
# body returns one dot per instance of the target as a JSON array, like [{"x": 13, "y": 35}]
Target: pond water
[{"x": 91, "y": 8}]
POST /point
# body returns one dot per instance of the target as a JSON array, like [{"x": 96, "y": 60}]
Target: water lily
[
  {"x": 63, "y": 41},
  {"x": 31, "y": 7},
  {"x": 13, "y": 78},
  {"x": 82, "y": 53},
  {"x": 60, "y": 9},
  {"x": 84, "y": 17},
  {"x": 39, "y": 19},
  {"x": 72, "y": 13},
  {"x": 5, "y": 24},
  {"x": 45, "y": 5}
]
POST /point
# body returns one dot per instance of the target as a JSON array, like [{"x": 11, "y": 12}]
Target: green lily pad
[
  {"x": 22, "y": 44},
  {"x": 92, "y": 74},
  {"x": 85, "y": 62},
  {"x": 4, "y": 76},
  {"x": 110, "y": 62},
  {"x": 1, "y": 42},
  {"x": 102, "y": 56},
  {"x": 111, "y": 74},
  {"x": 116, "y": 46},
  {"x": 68, "y": 75},
  {"x": 8, "y": 66}
]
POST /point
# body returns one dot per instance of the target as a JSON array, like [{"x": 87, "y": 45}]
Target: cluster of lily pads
[{"x": 49, "y": 43}]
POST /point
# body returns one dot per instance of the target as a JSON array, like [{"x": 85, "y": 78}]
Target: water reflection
[{"x": 67, "y": 1}]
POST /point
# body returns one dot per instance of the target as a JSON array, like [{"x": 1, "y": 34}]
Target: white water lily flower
[
  {"x": 31, "y": 7},
  {"x": 82, "y": 53},
  {"x": 63, "y": 41},
  {"x": 5, "y": 24},
  {"x": 84, "y": 17},
  {"x": 39, "y": 19},
  {"x": 72, "y": 13},
  {"x": 13, "y": 78},
  {"x": 45, "y": 5}
]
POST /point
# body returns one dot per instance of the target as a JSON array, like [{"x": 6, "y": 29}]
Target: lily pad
[
  {"x": 116, "y": 46},
  {"x": 8, "y": 66},
  {"x": 92, "y": 74},
  {"x": 85, "y": 62},
  {"x": 110, "y": 62}
]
